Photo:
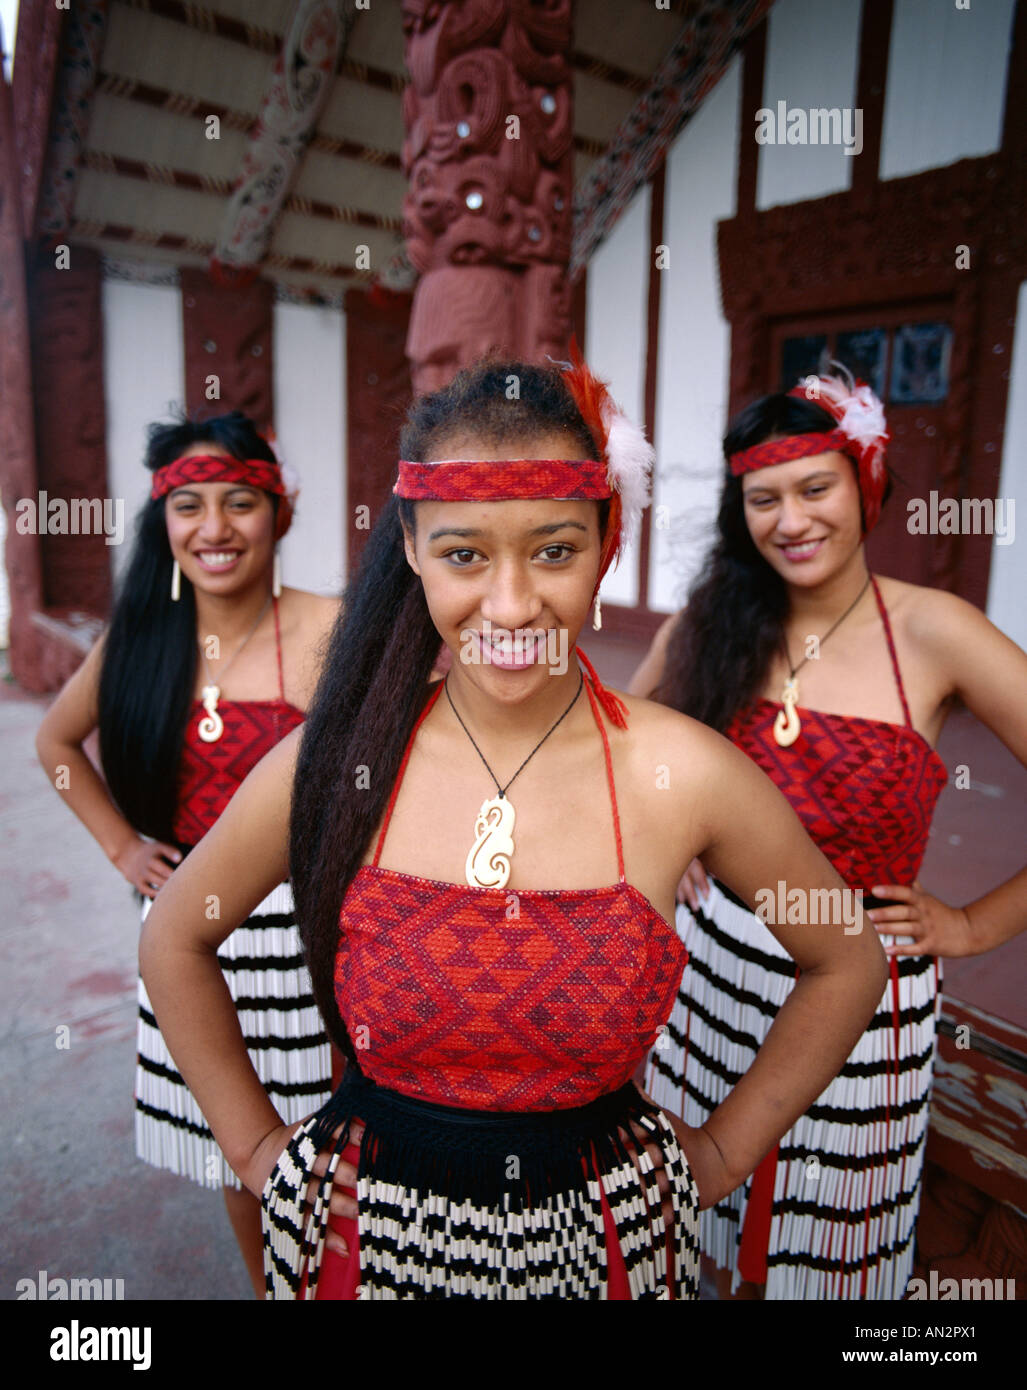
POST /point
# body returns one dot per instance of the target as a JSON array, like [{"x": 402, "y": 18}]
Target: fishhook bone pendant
[
  {"x": 786, "y": 725},
  {"x": 211, "y": 728},
  {"x": 488, "y": 861}
]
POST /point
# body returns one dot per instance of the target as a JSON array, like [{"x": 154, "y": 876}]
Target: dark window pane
[
  {"x": 800, "y": 357},
  {"x": 864, "y": 352},
  {"x": 920, "y": 366}
]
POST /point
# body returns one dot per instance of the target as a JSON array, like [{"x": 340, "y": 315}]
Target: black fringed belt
[{"x": 458, "y": 1203}]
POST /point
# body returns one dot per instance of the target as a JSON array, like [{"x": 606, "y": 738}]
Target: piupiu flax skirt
[
  {"x": 486, "y": 1205},
  {"x": 263, "y": 964},
  {"x": 835, "y": 1216}
]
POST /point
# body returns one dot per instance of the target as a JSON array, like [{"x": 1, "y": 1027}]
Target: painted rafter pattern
[
  {"x": 73, "y": 103},
  {"x": 690, "y": 70},
  {"x": 301, "y": 80}
]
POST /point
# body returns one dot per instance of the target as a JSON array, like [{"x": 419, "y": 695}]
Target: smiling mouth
[
  {"x": 512, "y": 649},
  {"x": 800, "y": 550},
  {"x": 217, "y": 559}
]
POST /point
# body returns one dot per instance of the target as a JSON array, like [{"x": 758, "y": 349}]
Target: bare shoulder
[
  {"x": 930, "y": 618},
  {"x": 657, "y": 734},
  {"x": 650, "y": 671},
  {"x": 280, "y": 761},
  {"x": 315, "y": 611},
  {"x": 666, "y": 630}
]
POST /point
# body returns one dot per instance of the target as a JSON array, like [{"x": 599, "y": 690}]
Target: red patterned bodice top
[
  {"x": 502, "y": 999},
  {"x": 864, "y": 789},
  {"x": 210, "y": 774}
]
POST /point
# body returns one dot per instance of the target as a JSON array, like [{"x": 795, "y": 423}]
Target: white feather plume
[
  {"x": 859, "y": 413},
  {"x": 629, "y": 464}
]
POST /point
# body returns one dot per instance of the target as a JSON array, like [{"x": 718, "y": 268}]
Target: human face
[
  {"x": 221, "y": 534},
  {"x": 804, "y": 516},
  {"x": 508, "y": 584}
]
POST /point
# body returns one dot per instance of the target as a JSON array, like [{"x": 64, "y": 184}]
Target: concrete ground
[{"x": 75, "y": 1202}]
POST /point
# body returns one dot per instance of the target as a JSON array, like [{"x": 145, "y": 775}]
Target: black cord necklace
[
  {"x": 488, "y": 860},
  {"x": 786, "y": 725}
]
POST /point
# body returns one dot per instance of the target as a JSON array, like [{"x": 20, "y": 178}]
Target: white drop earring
[
  {"x": 176, "y": 582},
  {"x": 276, "y": 576},
  {"x": 597, "y": 616}
]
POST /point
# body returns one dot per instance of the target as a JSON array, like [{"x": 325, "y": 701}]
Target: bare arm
[
  {"x": 988, "y": 672},
  {"x": 650, "y": 672},
  {"x": 238, "y": 862},
  {"x": 67, "y": 724},
  {"x": 755, "y": 842}
]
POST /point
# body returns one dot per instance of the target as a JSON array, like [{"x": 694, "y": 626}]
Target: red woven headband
[
  {"x": 217, "y": 468},
  {"x": 794, "y": 446},
  {"x": 506, "y": 479}
]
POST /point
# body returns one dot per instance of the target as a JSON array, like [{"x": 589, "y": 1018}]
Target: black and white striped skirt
[
  {"x": 483, "y": 1205},
  {"x": 264, "y": 967},
  {"x": 846, "y": 1188}
]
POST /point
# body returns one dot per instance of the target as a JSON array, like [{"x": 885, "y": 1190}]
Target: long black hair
[
  {"x": 723, "y": 643},
  {"x": 149, "y": 661},
  {"x": 374, "y": 681}
]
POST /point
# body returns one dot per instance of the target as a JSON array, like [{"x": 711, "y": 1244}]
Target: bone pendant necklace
[
  {"x": 786, "y": 726},
  {"x": 488, "y": 860},
  {"x": 211, "y": 728}
]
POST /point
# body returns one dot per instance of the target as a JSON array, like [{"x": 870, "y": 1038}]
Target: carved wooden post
[
  {"x": 17, "y": 427},
  {"x": 488, "y": 153}
]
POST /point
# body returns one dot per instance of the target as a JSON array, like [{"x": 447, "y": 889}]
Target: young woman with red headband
[
  {"x": 785, "y": 624},
  {"x": 485, "y": 873},
  {"x": 208, "y": 662}
]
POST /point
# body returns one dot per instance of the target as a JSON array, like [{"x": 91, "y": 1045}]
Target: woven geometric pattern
[
  {"x": 794, "y": 446},
  {"x": 492, "y": 999},
  {"x": 217, "y": 468},
  {"x": 495, "y": 482},
  {"x": 211, "y": 773},
  {"x": 864, "y": 789}
]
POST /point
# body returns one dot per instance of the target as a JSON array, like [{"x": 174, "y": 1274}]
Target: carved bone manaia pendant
[
  {"x": 488, "y": 862},
  {"x": 211, "y": 728},
  {"x": 786, "y": 725}
]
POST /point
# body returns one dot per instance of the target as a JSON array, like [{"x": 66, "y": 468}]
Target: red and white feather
[
  {"x": 629, "y": 463},
  {"x": 860, "y": 417},
  {"x": 859, "y": 413}
]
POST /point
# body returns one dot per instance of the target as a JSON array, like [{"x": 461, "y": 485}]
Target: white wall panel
[
  {"x": 615, "y": 337},
  {"x": 143, "y": 367},
  {"x": 946, "y": 89},
  {"x": 812, "y": 58},
  {"x": 694, "y": 343},
  {"x": 310, "y": 415},
  {"x": 1007, "y": 586}
]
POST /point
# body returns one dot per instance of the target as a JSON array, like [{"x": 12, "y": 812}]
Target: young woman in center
[{"x": 485, "y": 872}]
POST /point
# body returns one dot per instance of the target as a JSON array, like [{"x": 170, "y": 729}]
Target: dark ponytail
[
  {"x": 725, "y": 640},
  {"x": 149, "y": 663},
  {"x": 374, "y": 681}
]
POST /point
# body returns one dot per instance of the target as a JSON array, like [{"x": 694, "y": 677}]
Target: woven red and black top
[
  {"x": 864, "y": 789},
  {"x": 467, "y": 1005},
  {"x": 211, "y": 773}
]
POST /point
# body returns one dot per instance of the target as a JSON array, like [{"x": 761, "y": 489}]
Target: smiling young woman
[
  {"x": 836, "y": 684},
  {"x": 208, "y": 662},
  {"x": 494, "y": 976}
]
